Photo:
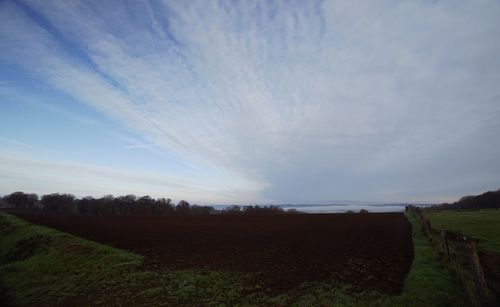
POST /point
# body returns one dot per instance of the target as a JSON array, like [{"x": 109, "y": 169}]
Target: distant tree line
[
  {"x": 488, "y": 200},
  {"x": 360, "y": 211},
  {"x": 126, "y": 205}
]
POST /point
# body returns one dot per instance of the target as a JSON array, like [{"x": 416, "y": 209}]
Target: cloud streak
[
  {"x": 18, "y": 143},
  {"x": 309, "y": 101},
  {"x": 21, "y": 172}
]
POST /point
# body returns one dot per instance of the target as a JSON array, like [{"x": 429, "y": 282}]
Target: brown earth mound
[{"x": 369, "y": 252}]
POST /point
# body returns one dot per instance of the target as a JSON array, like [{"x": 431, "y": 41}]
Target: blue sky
[{"x": 251, "y": 101}]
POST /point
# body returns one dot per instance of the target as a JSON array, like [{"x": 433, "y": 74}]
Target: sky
[{"x": 251, "y": 101}]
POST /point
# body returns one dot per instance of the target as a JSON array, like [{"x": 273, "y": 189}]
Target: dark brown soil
[{"x": 368, "y": 252}]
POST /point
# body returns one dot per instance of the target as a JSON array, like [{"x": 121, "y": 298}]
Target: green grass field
[
  {"x": 483, "y": 225},
  {"x": 41, "y": 266}
]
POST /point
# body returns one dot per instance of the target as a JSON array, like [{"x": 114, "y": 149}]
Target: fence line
[{"x": 459, "y": 253}]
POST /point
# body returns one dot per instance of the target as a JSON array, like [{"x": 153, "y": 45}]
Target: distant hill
[{"x": 488, "y": 200}]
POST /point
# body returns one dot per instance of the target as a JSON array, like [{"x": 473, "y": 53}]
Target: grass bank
[{"x": 41, "y": 266}]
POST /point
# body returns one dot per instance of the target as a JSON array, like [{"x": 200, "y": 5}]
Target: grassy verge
[
  {"x": 483, "y": 225},
  {"x": 40, "y": 266},
  {"x": 43, "y": 266},
  {"x": 428, "y": 282}
]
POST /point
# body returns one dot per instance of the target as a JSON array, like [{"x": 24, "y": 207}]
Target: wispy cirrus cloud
[
  {"x": 18, "y": 143},
  {"x": 309, "y": 101},
  {"x": 140, "y": 145},
  {"x": 21, "y": 172}
]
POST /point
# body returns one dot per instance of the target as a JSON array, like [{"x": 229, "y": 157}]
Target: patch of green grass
[
  {"x": 483, "y": 225},
  {"x": 428, "y": 282},
  {"x": 41, "y": 266}
]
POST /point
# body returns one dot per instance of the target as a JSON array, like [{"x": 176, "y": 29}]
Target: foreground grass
[
  {"x": 41, "y": 266},
  {"x": 483, "y": 225}
]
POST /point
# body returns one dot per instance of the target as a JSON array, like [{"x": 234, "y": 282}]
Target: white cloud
[
  {"x": 21, "y": 172},
  {"x": 308, "y": 100},
  {"x": 18, "y": 143}
]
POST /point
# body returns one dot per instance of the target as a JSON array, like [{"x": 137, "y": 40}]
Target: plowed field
[{"x": 368, "y": 252}]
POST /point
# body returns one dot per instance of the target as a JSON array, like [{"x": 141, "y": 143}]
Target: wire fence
[{"x": 460, "y": 254}]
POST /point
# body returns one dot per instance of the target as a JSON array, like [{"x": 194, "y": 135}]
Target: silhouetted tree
[
  {"x": 126, "y": 203},
  {"x": 145, "y": 204},
  {"x": 164, "y": 206},
  {"x": 182, "y": 207},
  {"x": 58, "y": 202},
  {"x": 85, "y": 205},
  {"x": 129, "y": 204},
  {"x": 21, "y": 200}
]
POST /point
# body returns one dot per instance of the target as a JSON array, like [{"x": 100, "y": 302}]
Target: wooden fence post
[
  {"x": 444, "y": 242},
  {"x": 477, "y": 273}
]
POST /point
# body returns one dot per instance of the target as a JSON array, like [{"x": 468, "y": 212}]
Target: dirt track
[{"x": 365, "y": 251}]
